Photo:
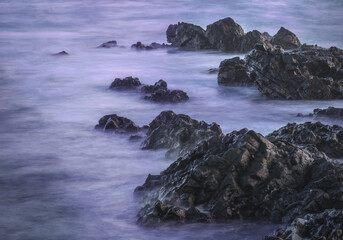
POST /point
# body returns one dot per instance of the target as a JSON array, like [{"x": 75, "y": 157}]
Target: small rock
[
  {"x": 109, "y": 44},
  {"x": 117, "y": 124},
  {"x": 126, "y": 83}
]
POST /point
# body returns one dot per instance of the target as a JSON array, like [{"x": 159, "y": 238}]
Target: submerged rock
[
  {"x": 213, "y": 70},
  {"x": 109, "y": 44},
  {"x": 187, "y": 36},
  {"x": 140, "y": 46},
  {"x": 63, "y": 53},
  {"x": 285, "y": 39},
  {"x": 233, "y": 72},
  {"x": 307, "y": 73},
  {"x": 178, "y": 132},
  {"x": 330, "y": 112},
  {"x": 125, "y": 83},
  {"x": 159, "y": 92},
  {"x": 313, "y": 136},
  {"x": 118, "y": 124}
]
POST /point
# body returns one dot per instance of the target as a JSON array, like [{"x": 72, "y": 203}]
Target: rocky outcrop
[
  {"x": 285, "y": 39},
  {"x": 247, "y": 42},
  {"x": 117, "y": 124},
  {"x": 187, "y": 36},
  {"x": 307, "y": 73},
  {"x": 224, "y": 34},
  {"x": 109, "y": 44},
  {"x": 233, "y": 72},
  {"x": 159, "y": 92},
  {"x": 178, "y": 132},
  {"x": 330, "y": 112},
  {"x": 125, "y": 83},
  {"x": 243, "y": 175},
  {"x": 313, "y": 136},
  {"x": 140, "y": 46}
]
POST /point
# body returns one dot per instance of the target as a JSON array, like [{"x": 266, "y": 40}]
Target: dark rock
[
  {"x": 313, "y": 136},
  {"x": 178, "y": 132},
  {"x": 307, "y": 73},
  {"x": 213, "y": 70},
  {"x": 224, "y": 34},
  {"x": 267, "y": 36},
  {"x": 140, "y": 46},
  {"x": 330, "y": 112},
  {"x": 187, "y": 36},
  {"x": 63, "y": 53},
  {"x": 118, "y": 124},
  {"x": 109, "y": 44},
  {"x": 285, "y": 39},
  {"x": 155, "y": 45},
  {"x": 233, "y": 72},
  {"x": 159, "y": 92},
  {"x": 248, "y": 41},
  {"x": 245, "y": 176},
  {"x": 125, "y": 83}
]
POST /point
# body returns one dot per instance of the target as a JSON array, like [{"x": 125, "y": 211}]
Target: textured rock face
[
  {"x": 224, "y": 34},
  {"x": 159, "y": 92},
  {"x": 247, "y": 42},
  {"x": 233, "y": 72},
  {"x": 109, "y": 44},
  {"x": 178, "y": 132},
  {"x": 285, "y": 39},
  {"x": 126, "y": 83},
  {"x": 188, "y": 36},
  {"x": 307, "y": 73},
  {"x": 118, "y": 124},
  {"x": 244, "y": 176},
  {"x": 330, "y": 112},
  {"x": 313, "y": 136}
]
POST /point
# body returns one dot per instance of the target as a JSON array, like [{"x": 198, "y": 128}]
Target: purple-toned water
[{"x": 60, "y": 179}]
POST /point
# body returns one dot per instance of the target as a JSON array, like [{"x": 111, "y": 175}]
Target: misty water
[{"x": 61, "y": 179}]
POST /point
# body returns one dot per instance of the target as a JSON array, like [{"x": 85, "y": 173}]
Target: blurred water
[{"x": 60, "y": 179}]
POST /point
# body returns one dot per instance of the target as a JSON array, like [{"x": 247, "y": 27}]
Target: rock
[
  {"x": 325, "y": 225},
  {"x": 306, "y": 73},
  {"x": 155, "y": 45},
  {"x": 285, "y": 39},
  {"x": 313, "y": 136},
  {"x": 267, "y": 36},
  {"x": 140, "y": 46},
  {"x": 186, "y": 35},
  {"x": 159, "y": 92},
  {"x": 224, "y": 34},
  {"x": 330, "y": 112},
  {"x": 118, "y": 124},
  {"x": 243, "y": 175},
  {"x": 213, "y": 70},
  {"x": 178, "y": 132},
  {"x": 233, "y": 72},
  {"x": 109, "y": 44},
  {"x": 125, "y": 83},
  {"x": 248, "y": 41},
  {"x": 63, "y": 53}
]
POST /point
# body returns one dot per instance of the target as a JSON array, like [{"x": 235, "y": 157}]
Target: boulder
[
  {"x": 178, "y": 132},
  {"x": 187, "y": 36},
  {"x": 125, "y": 83},
  {"x": 285, "y": 39},
  {"x": 117, "y": 124},
  {"x": 330, "y": 112},
  {"x": 159, "y": 92},
  {"x": 267, "y": 36},
  {"x": 313, "y": 136},
  {"x": 140, "y": 46},
  {"x": 248, "y": 41},
  {"x": 109, "y": 44},
  {"x": 224, "y": 34},
  {"x": 159, "y": 85},
  {"x": 306, "y": 73},
  {"x": 233, "y": 72}
]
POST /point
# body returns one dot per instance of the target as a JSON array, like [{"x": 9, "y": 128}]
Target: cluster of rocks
[
  {"x": 226, "y": 35},
  {"x": 158, "y": 92},
  {"x": 154, "y": 45}
]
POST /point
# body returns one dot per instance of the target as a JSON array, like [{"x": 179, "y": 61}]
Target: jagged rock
[
  {"x": 140, "y": 46},
  {"x": 233, "y": 72},
  {"x": 285, "y": 39},
  {"x": 118, "y": 124},
  {"x": 313, "y": 136},
  {"x": 307, "y": 73},
  {"x": 267, "y": 36},
  {"x": 245, "y": 176},
  {"x": 187, "y": 36},
  {"x": 155, "y": 45},
  {"x": 248, "y": 41},
  {"x": 125, "y": 83},
  {"x": 224, "y": 34},
  {"x": 109, "y": 44},
  {"x": 178, "y": 132},
  {"x": 63, "y": 53},
  {"x": 159, "y": 92},
  {"x": 330, "y": 112}
]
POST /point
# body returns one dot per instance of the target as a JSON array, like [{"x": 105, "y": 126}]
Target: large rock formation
[
  {"x": 307, "y": 73},
  {"x": 285, "y": 39},
  {"x": 313, "y": 136},
  {"x": 178, "y": 132},
  {"x": 117, "y": 124},
  {"x": 233, "y": 72},
  {"x": 125, "y": 83}
]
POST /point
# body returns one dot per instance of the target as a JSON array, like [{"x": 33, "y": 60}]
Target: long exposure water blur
[{"x": 61, "y": 179}]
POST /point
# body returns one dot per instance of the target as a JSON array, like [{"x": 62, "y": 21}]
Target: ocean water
[{"x": 61, "y": 179}]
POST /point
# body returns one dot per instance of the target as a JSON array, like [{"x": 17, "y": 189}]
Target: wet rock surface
[
  {"x": 233, "y": 72},
  {"x": 159, "y": 92},
  {"x": 307, "y": 73},
  {"x": 109, "y": 44},
  {"x": 285, "y": 39},
  {"x": 178, "y": 132},
  {"x": 313, "y": 136},
  {"x": 125, "y": 83},
  {"x": 117, "y": 124},
  {"x": 330, "y": 112}
]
